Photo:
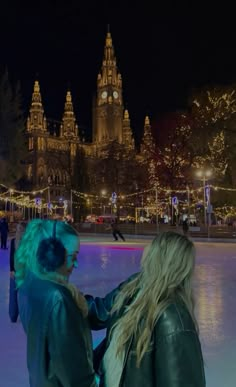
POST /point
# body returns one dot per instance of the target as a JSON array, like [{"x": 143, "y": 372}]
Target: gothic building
[{"x": 53, "y": 158}]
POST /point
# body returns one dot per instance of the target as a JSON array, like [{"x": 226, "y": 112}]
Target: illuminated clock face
[
  {"x": 104, "y": 94},
  {"x": 115, "y": 94}
]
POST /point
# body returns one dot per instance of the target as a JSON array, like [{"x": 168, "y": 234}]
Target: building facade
[{"x": 53, "y": 156}]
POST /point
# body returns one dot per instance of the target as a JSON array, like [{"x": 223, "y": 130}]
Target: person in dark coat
[
  {"x": 152, "y": 335},
  {"x": 4, "y": 229},
  {"x": 116, "y": 231},
  {"x": 13, "y": 303},
  {"x": 185, "y": 226},
  {"x": 53, "y": 312}
]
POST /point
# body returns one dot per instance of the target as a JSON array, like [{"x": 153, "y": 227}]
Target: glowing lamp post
[
  {"x": 11, "y": 204},
  {"x": 204, "y": 176},
  {"x": 103, "y": 193}
]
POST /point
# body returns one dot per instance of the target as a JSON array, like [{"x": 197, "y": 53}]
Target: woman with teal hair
[{"x": 53, "y": 312}]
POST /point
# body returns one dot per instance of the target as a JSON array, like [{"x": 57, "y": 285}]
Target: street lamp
[
  {"x": 204, "y": 176},
  {"x": 11, "y": 204},
  {"x": 103, "y": 193}
]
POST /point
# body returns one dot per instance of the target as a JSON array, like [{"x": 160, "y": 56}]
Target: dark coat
[
  {"x": 12, "y": 253},
  {"x": 59, "y": 346},
  {"x": 185, "y": 226},
  {"x": 115, "y": 227},
  {"x": 174, "y": 356},
  {"x": 4, "y": 229}
]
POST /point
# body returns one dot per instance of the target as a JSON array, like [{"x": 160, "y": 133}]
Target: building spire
[
  {"x": 108, "y": 112},
  {"x": 127, "y": 131},
  {"x": 147, "y": 121},
  {"x": 36, "y": 119},
  {"x": 69, "y": 127},
  {"x": 36, "y": 88},
  {"x": 109, "y": 74}
]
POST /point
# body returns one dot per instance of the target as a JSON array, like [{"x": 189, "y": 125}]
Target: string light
[
  {"x": 12, "y": 190},
  {"x": 167, "y": 190},
  {"x": 22, "y": 200},
  {"x": 23, "y": 197}
]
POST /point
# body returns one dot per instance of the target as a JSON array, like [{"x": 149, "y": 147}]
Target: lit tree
[
  {"x": 174, "y": 159},
  {"x": 12, "y": 140},
  {"x": 218, "y": 155},
  {"x": 148, "y": 156},
  {"x": 117, "y": 170},
  {"x": 147, "y": 148},
  {"x": 214, "y": 115},
  {"x": 214, "y": 106}
]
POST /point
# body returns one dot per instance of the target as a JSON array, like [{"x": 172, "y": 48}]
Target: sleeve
[
  {"x": 68, "y": 343},
  {"x": 178, "y": 361},
  {"x": 12, "y": 253},
  {"x": 99, "y": 308}
]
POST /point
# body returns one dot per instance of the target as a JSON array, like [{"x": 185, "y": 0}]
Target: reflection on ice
[
  {"x": 209, "y": 304},
  {"x": 102, "y": 266}
]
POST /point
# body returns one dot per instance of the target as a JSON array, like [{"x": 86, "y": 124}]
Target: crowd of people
[{"x": 152, "y": 336}]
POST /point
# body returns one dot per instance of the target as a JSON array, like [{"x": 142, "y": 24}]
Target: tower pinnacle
[
  {"x": 36, "y": 119},
  {"x": 69, "y": 127}
]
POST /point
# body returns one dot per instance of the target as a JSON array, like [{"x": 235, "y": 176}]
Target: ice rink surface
[{"x": 103, "y": 264}]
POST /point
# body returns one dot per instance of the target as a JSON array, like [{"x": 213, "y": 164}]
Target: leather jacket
[
  {"x": 174, "y": 356},
  {"x": 59, "y": 345}
]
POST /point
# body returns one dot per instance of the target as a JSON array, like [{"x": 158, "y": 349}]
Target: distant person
[
  {"x": 152, "y": 333},
  {"x": 116, "y": 231},
  {"x": 4, "y": 230},
  {"x": 13, "y": 303},
  {"x": 53, "y": 312},
  {"x": 185, "y": 226}
]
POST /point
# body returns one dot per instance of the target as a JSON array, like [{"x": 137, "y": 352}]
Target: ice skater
[
  {"x": 116, "y": 231},
  {"x": 185, "y": 226}
]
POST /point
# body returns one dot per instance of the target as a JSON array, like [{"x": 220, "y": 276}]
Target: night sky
[{"x": 164, "y": 50}]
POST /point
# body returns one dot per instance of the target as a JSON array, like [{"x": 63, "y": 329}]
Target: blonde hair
[
  {"x": 166, "y": 271},
  {"x": 26, "y": 255}
]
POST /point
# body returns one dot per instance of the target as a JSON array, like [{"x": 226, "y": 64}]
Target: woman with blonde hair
[
  {"x": 152, "y": 336},
  {"x": 13, "y": 303},
  {"x": 53, "y": 312}
]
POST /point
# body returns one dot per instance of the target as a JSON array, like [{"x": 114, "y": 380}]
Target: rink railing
[{"x": 152, "y": 229}]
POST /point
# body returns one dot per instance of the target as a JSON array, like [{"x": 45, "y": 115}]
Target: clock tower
[{"x": 108, "y": 109}]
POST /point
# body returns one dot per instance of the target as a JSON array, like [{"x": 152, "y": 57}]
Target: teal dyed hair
[{"x": 36, "y": 231}]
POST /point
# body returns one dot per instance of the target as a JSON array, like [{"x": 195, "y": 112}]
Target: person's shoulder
[
  {"x": 62, "y": 301},
  {"x": 175, "y": 319},
  {"x": 58, "y": 297},
  {"x": 59, "y": 292},
  {"x": 45, "y": 289}
]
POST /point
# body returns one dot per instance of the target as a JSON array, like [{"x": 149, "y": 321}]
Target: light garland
[
  {"x": 34, "y": 192},
  {"x": 190, "y": 191},
  {"x": 23, "y": 197},
  {"x": 223, "y": 188},
  {"x": 21, "y": 200}
]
